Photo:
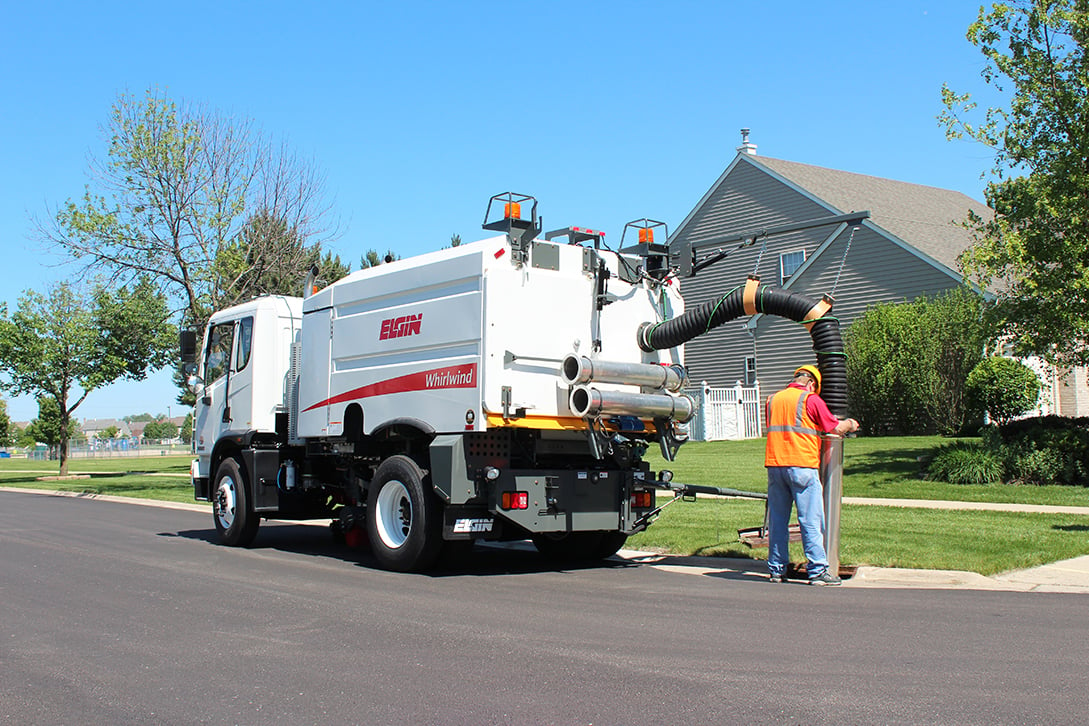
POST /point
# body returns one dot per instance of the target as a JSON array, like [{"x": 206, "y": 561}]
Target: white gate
[{"x": 726, "y": 413}]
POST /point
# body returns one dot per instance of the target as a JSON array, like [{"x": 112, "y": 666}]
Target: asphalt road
[{"x": 121, "y": 614}]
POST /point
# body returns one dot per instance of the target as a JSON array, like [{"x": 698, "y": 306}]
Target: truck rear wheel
[
  {"x": 236, "y": 522},
  {"x": 579, "y": 546},
  {"x": 404, "y": 519}
]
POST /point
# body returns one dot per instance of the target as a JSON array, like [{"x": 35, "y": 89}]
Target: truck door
[
  {"x": 240, "y": 383},
  {"x": 214, "y": 414}
]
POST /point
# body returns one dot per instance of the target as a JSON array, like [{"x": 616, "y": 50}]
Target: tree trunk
[{"x": 63, "y": 447}]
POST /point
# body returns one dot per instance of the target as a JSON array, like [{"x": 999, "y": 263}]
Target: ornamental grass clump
[{"x": 965, "y": 462}]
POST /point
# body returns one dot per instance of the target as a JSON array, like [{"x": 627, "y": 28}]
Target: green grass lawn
[
  {"x": 879, "y": 467},
  {"x": 984, "y": 542},
  {"x": 154, "y": 477}
]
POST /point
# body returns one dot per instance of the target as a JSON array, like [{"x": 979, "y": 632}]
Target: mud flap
[{"x": 263, "y": 466}]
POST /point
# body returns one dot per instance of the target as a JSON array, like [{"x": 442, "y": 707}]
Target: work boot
[{"x": 825, "y": 578}]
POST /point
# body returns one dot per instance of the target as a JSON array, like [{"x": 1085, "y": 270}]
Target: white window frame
[
  {"x": 783, "y": 274},
  {"x": 750, "y": 370}
]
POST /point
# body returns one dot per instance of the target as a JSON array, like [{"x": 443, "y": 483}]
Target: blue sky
[{"x": 418, "y": 112}]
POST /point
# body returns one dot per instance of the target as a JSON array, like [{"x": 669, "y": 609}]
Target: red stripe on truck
[{"x": 463, "y": 376}]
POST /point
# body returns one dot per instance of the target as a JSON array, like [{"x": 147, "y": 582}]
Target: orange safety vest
[{"x": 793, "y": 437}]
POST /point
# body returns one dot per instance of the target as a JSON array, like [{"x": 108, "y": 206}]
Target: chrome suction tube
[
  {"x": 579, "y": 370},
  {"x": 590, "y": 401}
]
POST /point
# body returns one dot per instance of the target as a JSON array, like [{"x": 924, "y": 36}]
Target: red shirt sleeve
[{"x": 818, "y": 411}]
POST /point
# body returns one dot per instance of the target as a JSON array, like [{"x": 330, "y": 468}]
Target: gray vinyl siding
[
  {"x": 878, "y": 268},
  {"x": 748, "y": 200}
]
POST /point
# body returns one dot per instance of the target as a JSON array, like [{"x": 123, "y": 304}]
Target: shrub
[
  {"x": 1043, "y": 450},
  {"x": 907, "y": 363},
  {"x": 1002, "y": 387},
  {"x": 1035, "y": 467},
  {"x": 966, "y": 462}
]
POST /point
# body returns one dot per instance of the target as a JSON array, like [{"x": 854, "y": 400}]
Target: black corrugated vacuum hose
[{"x": 749, "y": 300}]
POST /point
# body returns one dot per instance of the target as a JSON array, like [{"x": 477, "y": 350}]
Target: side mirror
[{"x": 187, "y": 342}]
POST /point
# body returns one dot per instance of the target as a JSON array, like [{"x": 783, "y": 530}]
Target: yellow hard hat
[{"x": 812, "y": 371}]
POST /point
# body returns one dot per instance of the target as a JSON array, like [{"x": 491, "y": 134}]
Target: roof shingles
[{"x": 926, "y": 218}]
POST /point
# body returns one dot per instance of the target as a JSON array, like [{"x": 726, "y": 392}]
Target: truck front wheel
[
  {"x": 404, "y": 519},
  {"x": 236, "y": 522}
]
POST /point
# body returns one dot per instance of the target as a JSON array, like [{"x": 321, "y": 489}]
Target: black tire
[
  {"x": 579, "y": 546},
  {"x": 404, "y": 518},
  {"x": 235, "y": 520}
]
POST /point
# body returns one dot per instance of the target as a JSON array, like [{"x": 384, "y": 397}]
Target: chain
[
  {"x": 843, "y": 260},
  {"x": 760, "y": 256}
]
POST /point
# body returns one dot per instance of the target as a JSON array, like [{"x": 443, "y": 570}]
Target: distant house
[
  {"x": 907, "y": 248},
  {"x": 92, "y": 427}
]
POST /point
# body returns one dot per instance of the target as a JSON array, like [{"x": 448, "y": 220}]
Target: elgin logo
[{"x": 400, "y": 327}]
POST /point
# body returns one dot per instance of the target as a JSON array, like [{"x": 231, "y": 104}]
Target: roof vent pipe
[{"x": 746, "y": 146}]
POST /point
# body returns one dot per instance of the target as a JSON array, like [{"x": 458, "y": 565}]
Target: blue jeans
[{"x": 795, "y": 485}]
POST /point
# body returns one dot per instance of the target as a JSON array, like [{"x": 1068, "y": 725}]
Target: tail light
[
  {"x": 514, "y": 500},
  {"x": 642, "y": 500}
]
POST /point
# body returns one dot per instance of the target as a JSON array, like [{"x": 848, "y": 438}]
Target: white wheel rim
[
  {"x": 225, "y": 500},
  {"x": 393, "y": 517}
]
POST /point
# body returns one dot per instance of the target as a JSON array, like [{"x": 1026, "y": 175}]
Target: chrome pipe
[
  {"x": 589, "y": 401},
  {"x": 831, "y": 474},
  {"x": 579, "y": 370}
]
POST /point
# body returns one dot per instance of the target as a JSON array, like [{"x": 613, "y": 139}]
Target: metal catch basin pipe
[
  {"x": 831, "y": 473},
  {"x": 579, "y": 370},
  {"x": 590, "y": 401}
]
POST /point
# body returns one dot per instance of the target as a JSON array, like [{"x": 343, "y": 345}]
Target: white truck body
[{"x": 447, "y": 332}]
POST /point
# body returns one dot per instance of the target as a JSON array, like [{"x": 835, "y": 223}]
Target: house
[
  {"x": 92, "y": 427},
  {"x": 136, "y": 429},
  {"x": 908, "y": 247}
]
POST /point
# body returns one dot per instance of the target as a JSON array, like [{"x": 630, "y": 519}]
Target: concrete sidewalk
[{"x": 1064, "y": 576}]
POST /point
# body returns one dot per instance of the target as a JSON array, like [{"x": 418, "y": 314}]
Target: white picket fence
[{"x": 726, "y": 413}]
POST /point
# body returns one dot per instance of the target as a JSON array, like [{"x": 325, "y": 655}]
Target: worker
[{"x": 796, "y": 417}]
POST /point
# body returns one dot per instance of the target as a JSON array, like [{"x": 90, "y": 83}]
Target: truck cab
[{"x": 241, "y": 378}]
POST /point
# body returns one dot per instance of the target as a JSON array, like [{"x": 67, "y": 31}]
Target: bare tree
[{"x": 179, "y": 186}]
